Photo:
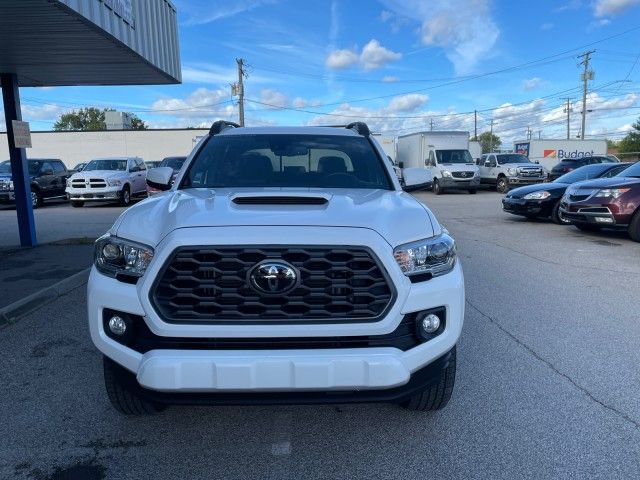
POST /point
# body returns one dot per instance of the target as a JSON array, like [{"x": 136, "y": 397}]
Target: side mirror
[
  {"x": 401, "y": 164},
  {"x": 160, "y": 178}
]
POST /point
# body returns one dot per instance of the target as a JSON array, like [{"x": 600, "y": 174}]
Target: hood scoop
[{"x": 262, "y": 199}]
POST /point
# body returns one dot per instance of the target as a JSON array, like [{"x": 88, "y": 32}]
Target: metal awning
[{"x": 89, "y": 42}]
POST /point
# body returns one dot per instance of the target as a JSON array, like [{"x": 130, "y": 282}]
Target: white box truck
[
  {"x": 444, "y": 155},
  {"x": 475, "y": 149},
  {"x": 388, "y": 144},
  {"x": 549, "y": 152}
]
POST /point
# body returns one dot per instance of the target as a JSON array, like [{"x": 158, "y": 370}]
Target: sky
[{"x": 399, "y": 65}]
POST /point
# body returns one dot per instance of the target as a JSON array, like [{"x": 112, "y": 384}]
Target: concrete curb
[{"x": 16, "y": 310}]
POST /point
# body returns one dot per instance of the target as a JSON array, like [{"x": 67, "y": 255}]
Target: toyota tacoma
[{"x": 283, "y": 265}]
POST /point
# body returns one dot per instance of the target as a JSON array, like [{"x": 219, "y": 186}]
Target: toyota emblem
[{"x": 273, "y": 277}]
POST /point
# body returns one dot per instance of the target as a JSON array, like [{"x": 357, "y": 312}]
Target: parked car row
[
  {"x": 591, "y": 197},
  {"x": 117, "y": 179}
]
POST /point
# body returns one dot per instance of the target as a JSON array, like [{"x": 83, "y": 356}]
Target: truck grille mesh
[{"x": 210, "y": 284}]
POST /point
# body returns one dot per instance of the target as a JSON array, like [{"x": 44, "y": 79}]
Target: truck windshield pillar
[{"x": 19, "y": 167}]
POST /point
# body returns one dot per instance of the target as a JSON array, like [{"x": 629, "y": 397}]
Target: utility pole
[
  {"x": 240, "y": 89},
  {"x": 567, "y": 110},
  {"x": 586, "y": 76},
  {"x": 475, "y": 125},
  {"x": 491, "y": 137},
  {"x": 431, "y": 124},
  {"x": 529, "y": 132}
]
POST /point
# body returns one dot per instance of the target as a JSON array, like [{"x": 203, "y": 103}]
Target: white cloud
[
  {"x": 407, "y": 103},
  {"x": 210, "y": 73},
  {"x": 340, "y": 59},
  {"x": 372, "y": 56},
  {"x": 274, "y": 98},
  {"x": 390, "y": 79},
  {"x": 547, "y": 26},
  {"x": 375, "y": 55},
  {"x": 532, "y": 83},
  {"x": 386, "y": 15},
  {"x": 201, "y": 105},
  {"x": 607, "y": 8},
  {"x": 465, "y": 29}
]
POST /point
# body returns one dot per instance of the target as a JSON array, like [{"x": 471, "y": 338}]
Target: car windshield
[
  {"x": 512, "y": 158},
  {"x": 106, "y": 164},
  {"x": 454, "y": 156},
  {"x": 632, "y": 171},
  {"x": 268, "y": 160},
  {"x": 5, "y": 167},
  {"x": 173, "y": 162},
  {"x": 583, "y": 173}
]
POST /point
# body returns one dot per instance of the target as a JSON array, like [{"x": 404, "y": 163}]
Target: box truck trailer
[
  {"x": 475, "y": 149},
  {"x": 444, "y": 155},
  {"x": 549, "y": 152}
]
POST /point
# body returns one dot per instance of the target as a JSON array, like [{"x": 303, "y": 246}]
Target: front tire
[
  {"x": 36, "y": 199},
  {"x": 556, "y": 216},
  {"x": 502, "y": 185},
  {"x": 634, "y": 227},
  {"x": 121, "y": 394},
  {"x": 125, "y": 196},
  {"x": 436, "y": 396},
  {"x": 437, "y": 189}
]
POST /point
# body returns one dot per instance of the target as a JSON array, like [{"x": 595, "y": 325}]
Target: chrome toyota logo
[{"x": 273, "y": 277}]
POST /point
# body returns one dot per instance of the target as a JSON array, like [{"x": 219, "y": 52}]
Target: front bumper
[
  {"x": 7, "y": 196},
  {"x": 94, "y": 194},
  {"x": 520, "y": 206},
  {"x": 326, "y": 369},
  {"x": 616, "y": 213},
  {"x": 526, "y": 180},
  {"x": 459, "y": 183}
]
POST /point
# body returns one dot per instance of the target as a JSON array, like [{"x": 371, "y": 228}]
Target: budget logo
[{"x": 550, "y": 154}]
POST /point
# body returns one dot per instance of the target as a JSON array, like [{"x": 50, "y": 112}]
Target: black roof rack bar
[
  {"x": 360, "y": 128},
  {"x": 221, "y": 125}
]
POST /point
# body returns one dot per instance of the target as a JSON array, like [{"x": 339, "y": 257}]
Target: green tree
[
  {"x": 631, "y": 143},
  {"x": 489, "y": 142},
  {"x": 90, "y": 119}
]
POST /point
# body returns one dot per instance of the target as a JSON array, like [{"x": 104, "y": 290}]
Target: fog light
[
  {"x": 604, "y": 220},
  {"x": 430, "y": 323},
  {"x": 117, "y": 325}
]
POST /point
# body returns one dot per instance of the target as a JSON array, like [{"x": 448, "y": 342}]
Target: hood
[
  {"x": 98, "y": 174},
  {"x": 459, "y": 167},
  {"x": 396, "y": 216},
  {"x": 522, "y": 165},
  {"x": 556, "y": 189},
  {"x": 608, "y": 183}
]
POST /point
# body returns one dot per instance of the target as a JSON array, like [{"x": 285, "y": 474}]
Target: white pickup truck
[
  {"x": 283, "y": 265},
  {"x": 117, "y": 179},
  {"x": 507, "y": 170}
]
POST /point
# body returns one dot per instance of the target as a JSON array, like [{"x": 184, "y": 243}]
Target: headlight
[
  {"x": 114, "y": 183},
  {"x": 114, "y": 256},
  {"x": 68, "y": 182},
  {"x": 436, "y": 256},
  {"x": 512, "y": 171},
  {"x": 610, "y": 192},
  {"x": 446, "y": 173},
  {"x": 537, "y": 195}
]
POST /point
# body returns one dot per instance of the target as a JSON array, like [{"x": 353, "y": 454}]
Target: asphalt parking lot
[{"x": 547, "y": 383}]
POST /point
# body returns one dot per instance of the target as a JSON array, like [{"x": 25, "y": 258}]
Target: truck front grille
[
  {"x": 88, "y": 183},
  {"x": 530, "y": 172},
  {"x": 212, "y": 284},
  {"x": 462, "y": 174}
]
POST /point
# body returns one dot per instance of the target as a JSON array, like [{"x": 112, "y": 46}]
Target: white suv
[
  {"x": 108, "y": 179},
  {"x": 284, "y": 265}
]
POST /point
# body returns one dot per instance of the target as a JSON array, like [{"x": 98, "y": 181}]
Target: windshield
[
  {"x": 5, "y": 167},
  {"x": 512, "y": 158},
  {"x": 632, "y": 171},
  {"x": 310, "y": 161},
  {"x": 583, "y": 173},
  {"x": 115, "y": 164},
  {"x": 454, "y": 156},
  {"x": 173, "y": 162}
]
